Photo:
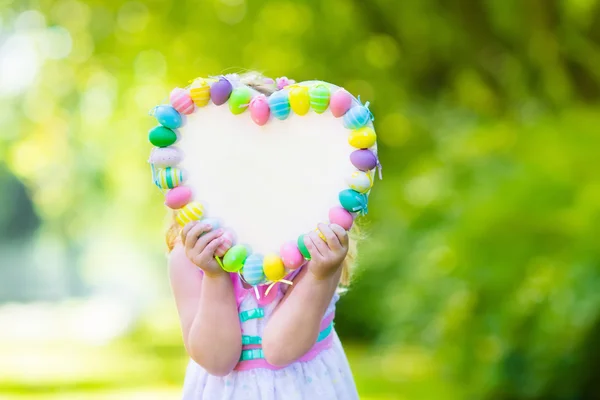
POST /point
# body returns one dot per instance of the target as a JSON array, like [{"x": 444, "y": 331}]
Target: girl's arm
[
  {"x": 205, "y": 302},
  {"x": 294, "y": 326}
]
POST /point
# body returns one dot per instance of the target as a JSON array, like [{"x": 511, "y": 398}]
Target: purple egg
[
  {"x": 363, "y": 159},
  {"x": 220, "y": 91}
]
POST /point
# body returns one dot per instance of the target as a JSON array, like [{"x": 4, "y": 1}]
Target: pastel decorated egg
[
  {"x": 161, "y": 136},
  {"x": 220, "y": 91},
  {"x": 213, "y": 222},
  {"x": 358, "y": 116},
  {"x": 253, "y": 269},
  {"x": 340, "y": 102},
  {"x": 291, "y": 256},
  {"x": 178, "y": 197},
  {"x": 190, "y": 212},
  {"x": 201, "y": 94},
  {"x": 259, "y": 109},
  {"x": 362, "y": 138},
  {"x": 234, "y": 258},
  {"x": 165, "y": 156},
  {"x": 181, "y": 101},
  {"x": 169, "y": 178},
  {"x": 273, "y": 267},
  {"x": 302, "y": 247},
  {"x": 340, "y": 216},
  {"x": 299, "y": 100},
  {"x": 168, "y": 116},
  {"x": 279, "y": 105},
  {"x": 360, "y": 181},
  {"x": 267, "y": 296},
  {"x": 319, "y": 98},
  {"x": 228, "y": 240},
  {"x": 239, "y": 99},
  {"x": 363, "y": 159},
  {"x": 353, "y": 201}
]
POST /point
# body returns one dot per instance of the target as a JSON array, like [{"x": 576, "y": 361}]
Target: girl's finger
[
  {"x": 311, "y": 247},
  {"x": 194, "y": 233},
  {"x": 341, "y": 234},
  {"x": 332, "y": 240},
  {"x": 319, "y": 243},
  {"x": 206, "y": 239},
  {"x": 209, "y": 250},
  {"x": 186, "y": 229}
]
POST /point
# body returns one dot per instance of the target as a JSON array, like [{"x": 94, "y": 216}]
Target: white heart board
[
  {"x": 268, "y": 168},
  {"x": 268, "y": 183}
]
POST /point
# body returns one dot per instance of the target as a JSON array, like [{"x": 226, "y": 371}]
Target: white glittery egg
[
  {"x": 165, "y": 156},
  {"x": 360, "y": 181}
]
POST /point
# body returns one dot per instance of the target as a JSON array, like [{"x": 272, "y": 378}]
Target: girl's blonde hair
[{"x": 265, "y": 85}]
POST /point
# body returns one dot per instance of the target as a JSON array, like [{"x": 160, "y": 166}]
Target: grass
[{"x": 147, "y": 363}]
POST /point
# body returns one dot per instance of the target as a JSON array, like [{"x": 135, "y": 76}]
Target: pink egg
[
  {"x": 178, "y": 197},
  {"x": 340, "y": 102},
  {"x": 291, "y": 256},
  {"x": 339, "y": 215},
  {"x": 226, "y": 245},
  {"x": 259, "y": 109},
  {"x": 265, "y": 299},
  {"x": 181, "y": 101}
]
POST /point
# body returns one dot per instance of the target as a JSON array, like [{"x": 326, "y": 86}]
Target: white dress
[{"x": 327, "y": 376}]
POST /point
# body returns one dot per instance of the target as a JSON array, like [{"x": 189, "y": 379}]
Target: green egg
[
  {"x": 234, "y": 258},
  {"x": 319, "y": 98},
  {"x": 239, "y": 99},
  {"x": 302, "y": 247},
  {"x": 161, "y": 136}
]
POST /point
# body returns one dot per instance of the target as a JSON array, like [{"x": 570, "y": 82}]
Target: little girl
[{"x": 282, "y": 346}]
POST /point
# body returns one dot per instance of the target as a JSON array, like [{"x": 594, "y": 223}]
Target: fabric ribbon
[
  {"x": 366, "y": 105},
  {"x": 276, "y": 282}
]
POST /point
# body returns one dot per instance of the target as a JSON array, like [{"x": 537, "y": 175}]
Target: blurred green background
[{"x": 480, "y": 277}]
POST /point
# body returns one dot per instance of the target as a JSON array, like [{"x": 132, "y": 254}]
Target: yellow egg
[
  {"x": 201, "y": 93},
  {"x": 299, "y": 100},
  {"x": 190, "y": 212},
  {"x": 273, "y": 267},
  {"x": 362, "y": 138},
  {"x": 360, "y": 181}
]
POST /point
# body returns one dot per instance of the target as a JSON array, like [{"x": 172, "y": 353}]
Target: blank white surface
[{"x": 268, "y": 184}]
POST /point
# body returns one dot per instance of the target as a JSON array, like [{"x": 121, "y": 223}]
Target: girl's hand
[
  {"x": 326, "y": 256},
  {"x": 200, "y": 245}
]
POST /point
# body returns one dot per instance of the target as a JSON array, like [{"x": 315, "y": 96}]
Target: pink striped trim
[
  {"x": 327, "y": 320},
  {"x": 261, "y": 363},
  {"x": 312, "y": 353}
]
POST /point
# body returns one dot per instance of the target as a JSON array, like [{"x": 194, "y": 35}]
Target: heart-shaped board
[{"x": 270, "y": 168}]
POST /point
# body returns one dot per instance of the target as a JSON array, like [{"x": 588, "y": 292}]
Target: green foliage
[{"x": 480, "y": 271}]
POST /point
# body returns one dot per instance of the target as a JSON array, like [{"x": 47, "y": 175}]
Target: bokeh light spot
[
  {"x": 231, "y": 11},
  {"x": 57, "y": 43},
  {"x": 381, "y": 51},
  {"x": 19, "y": 64},
  {"x": 72, "y": 14},
  {"x": 150, "y": 65},
  {"x": 394, "y": 130},
  {"x": 30, "y": 20},
  {"x": 133, "y": 17}
]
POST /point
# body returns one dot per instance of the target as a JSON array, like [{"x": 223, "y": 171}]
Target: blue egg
[
  {"x": 213, "y": 222},
  {"x": 279, "y": 105},
  {"x": 357, "y": 117},
  {"x": 168, "y": 116},
  {"x": 253, "y": 269}
]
